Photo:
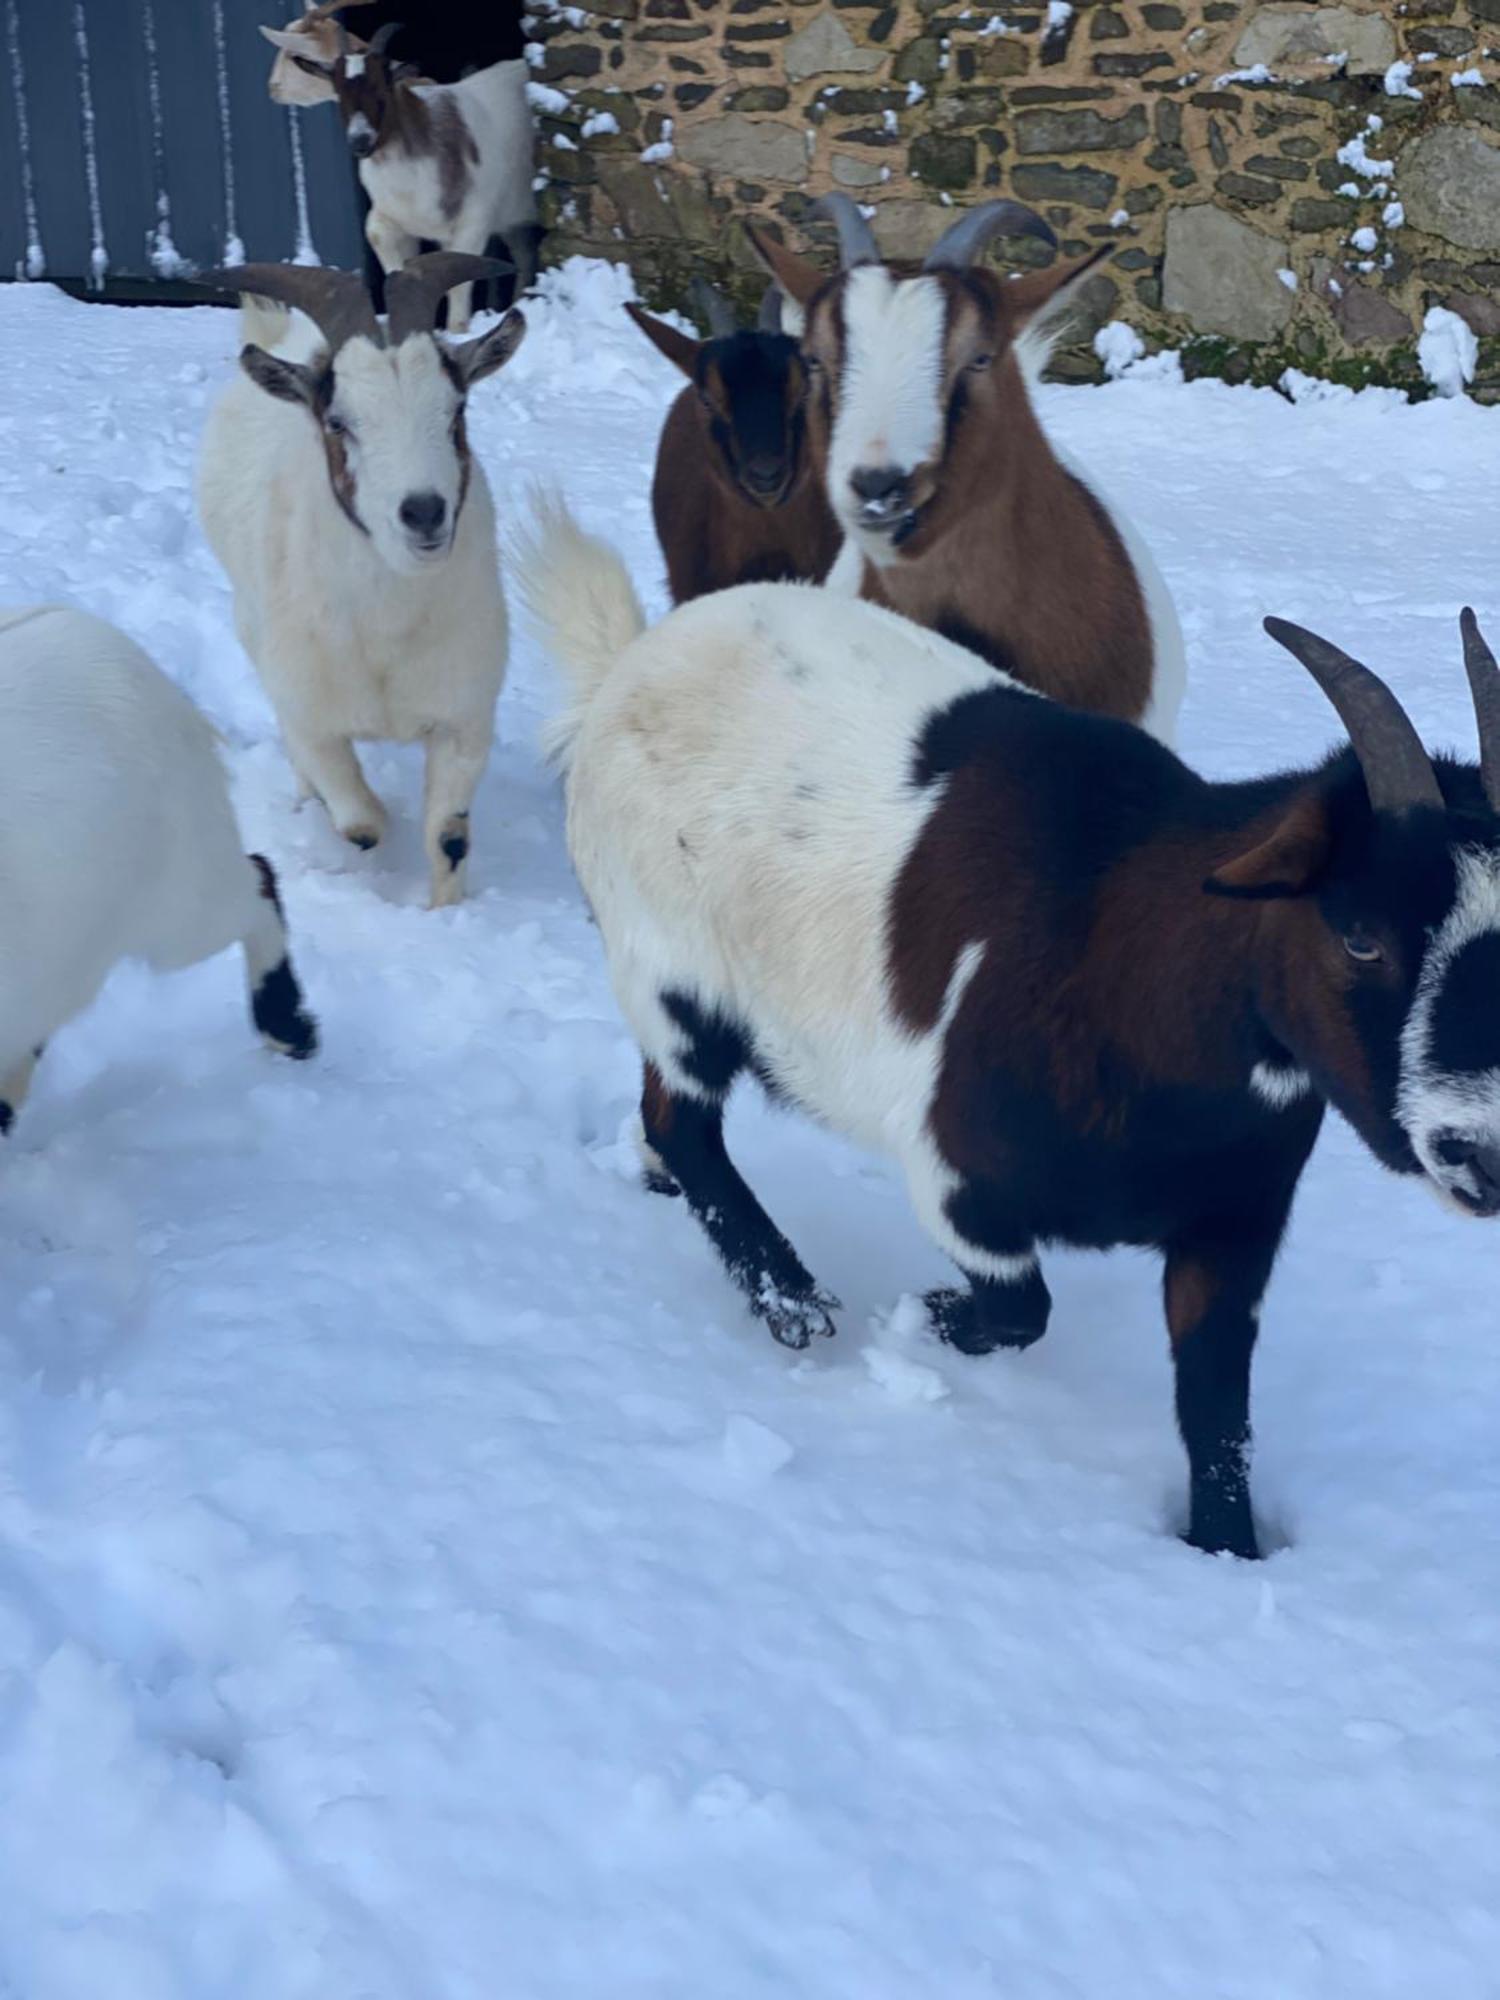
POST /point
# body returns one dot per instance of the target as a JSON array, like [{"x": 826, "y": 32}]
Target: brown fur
[
  {"x": 405, "y": 122},
  {"x": 1012, "y": 556}
]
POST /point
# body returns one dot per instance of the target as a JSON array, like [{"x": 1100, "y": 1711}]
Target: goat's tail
[
  {"x": 579, "y": 593},
  {"x": 263, "y": 323}
]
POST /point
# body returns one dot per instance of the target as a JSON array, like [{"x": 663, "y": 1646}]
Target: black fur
[{"x": 280, "y": 1016}]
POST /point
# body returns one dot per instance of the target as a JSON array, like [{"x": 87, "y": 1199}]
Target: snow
[
  {"x": 1398, "y": 82},
  {"x": 1118, "y": 346},
  {"x": 1364, "y": 239},
  {"x": 419, "y": 1580},
  {"x": 1467, "y": 79},
  {"x": 1257, "y": 73},
  {"x": 1393, "y": 215},
  {"x": 1288, "y": 277},
  {"x": 599, "y": 123},
  {"x": 1448, "y": 351}
]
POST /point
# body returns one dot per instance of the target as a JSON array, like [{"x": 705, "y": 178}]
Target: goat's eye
[
  {"x": 812, "y": 364},
  {"x": 981, "y": 362},
  {"x": 1362, "y": 948},
  {"x": 335, "y": 425}
]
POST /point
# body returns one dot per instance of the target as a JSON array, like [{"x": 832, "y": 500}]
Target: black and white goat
[
  {"x": 959, "y": 512},
  {"x": 443, "y": 163},
  {"x": 117, "y": 840},
  {"x": 736, "y": 497},
  {"x": 1081, "y": 994},
  {"x": 337, "y": 488}
]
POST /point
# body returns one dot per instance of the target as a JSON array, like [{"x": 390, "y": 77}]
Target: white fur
[
  {"x": 358, "y": 637},
  {"x": 405, "y": 189},
  {"x": 1432, "y": 1101},
  {"x": 1279, "y": 1085},
  {"x": 726, "y": 854},
  {"x": 890, "y": 408},
  {"x": 117, "y": 839}
]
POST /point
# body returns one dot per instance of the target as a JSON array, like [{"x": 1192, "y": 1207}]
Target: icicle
[
  {"x": 160, "y": 249},
  {"x": 98, "y": 255},
  {"x": 34, "y": 264},
  {"x": 234, "y": 249}
]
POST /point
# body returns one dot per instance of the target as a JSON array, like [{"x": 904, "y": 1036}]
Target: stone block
[
  {"x": 736, "y": 145},
  {"x": 1221, "y": 274},
  {"x": 1276, "y": 35}
]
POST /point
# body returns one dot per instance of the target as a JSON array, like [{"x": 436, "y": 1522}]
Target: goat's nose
[
  {"x": 764, "y": 471},
  {"x": 880, "y": 490},
  {"x": 423, "y": 513},
  {"x": 1478, "y": 1158}
]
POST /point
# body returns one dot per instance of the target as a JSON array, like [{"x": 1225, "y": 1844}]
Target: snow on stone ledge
[{"x": 1448, "y": 351}]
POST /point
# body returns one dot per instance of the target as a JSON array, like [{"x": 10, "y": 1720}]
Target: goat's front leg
[
  {"x": 1214, "y": 1285},
  {"x": 15, "y": 1086},
  {"x": 686, "y": 1133},
  {"x": 999, "y": 1309},
  {"x": 977, "y": 1221},
  {"x": 390, "y": 242},
  {"x": 455, "y": 764},
  {"x": 329, "y": 768}
]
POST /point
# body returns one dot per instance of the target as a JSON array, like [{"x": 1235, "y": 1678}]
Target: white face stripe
[
  {"x": 890, "y": 408},
  {"x": 1430, "y": 1101}
]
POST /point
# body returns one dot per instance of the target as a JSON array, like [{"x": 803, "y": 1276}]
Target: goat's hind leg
[
  {"x": 275, "y": 996},
  {"x": 682, "y": 1112},
  {"x": 15, "y": 1086}
]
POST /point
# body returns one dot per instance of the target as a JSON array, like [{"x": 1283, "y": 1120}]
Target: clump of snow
[
  {"x": 542, "y": 97},
  {"x": 1467, "y": 79},
  {"x": 1393, "y": 215},
  {"x": 663, "y": 148},
  {"x": 1448, "y": 351},
  {"x": 1288, "y": 278},
  {"x": 994, "y": 26},
  {"x": 1364, "y": 239},
  {"x": 1398, "y": 82},
  {"x": 563, "y": 143},
  {"x": 1118, "y": 346},
  {"x": 1120, "y": 218},
  {"x": 914, "y": 92},
  {"x": 1059, "y": 13},
  {"x": 598, "y": 124},
  {"x": 1257, "y": 73},
  {"x": 1353, "y": 153}
]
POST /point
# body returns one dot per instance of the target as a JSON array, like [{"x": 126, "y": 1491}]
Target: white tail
[{"x": 579, "y": 593}]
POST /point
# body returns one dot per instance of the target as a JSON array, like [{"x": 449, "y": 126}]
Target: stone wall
[{"x": 1284, "y": 183}]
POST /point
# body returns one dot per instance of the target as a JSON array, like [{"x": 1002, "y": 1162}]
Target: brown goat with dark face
[
  {"x": 942, "y": 477},
  {"x": 736, "y": 497},
  {"x": 1082, "y": 995}
]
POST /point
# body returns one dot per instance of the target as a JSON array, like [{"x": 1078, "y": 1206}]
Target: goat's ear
[
  {"x": 798, "y": 279},
  {"x": 680, "y": 348},
  {"x": 489, "y": 354},
  {"x": 288, "y": 381},
  {"x": 1039, "y": 294},
  {"x": 1285, "y": 862}
]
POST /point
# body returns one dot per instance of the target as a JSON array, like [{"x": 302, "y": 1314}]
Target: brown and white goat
[
  {"x": 964, "y": 515},
  {"x": 1082, "y": 995},
  {"x": 735, "y": 496},
  {"x": 449, "y": 164}
]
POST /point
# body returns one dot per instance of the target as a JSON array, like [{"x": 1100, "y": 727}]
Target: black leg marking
[
  {"x": 269, "y": 886},
  {"x": 1213, "y": 1294},
  {"x": 688, "y": 1135},
  {"x": 7, "y": 1117},
  {"x": 992, "y": 1313},
  {"x": 456, "y": 845},
  {"x": 280, "y": 1016}
]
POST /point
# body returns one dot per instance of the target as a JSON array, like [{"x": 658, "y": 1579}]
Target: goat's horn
[
  {"x": 1484, "y": 685},
  {"x": 414, "y": 293},
  {"x": 962, "y": 241},
  {"x": 327, "y": 7},
  {"x": 857, "y": 243},
  {"x": 768, "y": 319},
  {"x": 716, "y": 310},
  {"x": 335, "y": 301},
  {"x": 380, "y": 41},
  {"x": 1397, "y": 769}
]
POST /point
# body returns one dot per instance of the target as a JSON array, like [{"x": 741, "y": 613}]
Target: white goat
[
  {"x": 445, "y": 163},
  {"x": 117, "y": 840},
  {"x": 337, "y": 489}
]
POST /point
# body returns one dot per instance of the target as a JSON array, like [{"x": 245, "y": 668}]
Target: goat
[
  {"x": 1083, "y": 995},
  {"x": 337, "y": 489},
  {"x": 957, "y": 509},
  {"x": 314, "y": 37},
  {"x": 449, "y": 164},
  {"x": 735, "y": 497},
  {"x": 117, "y": 840}
]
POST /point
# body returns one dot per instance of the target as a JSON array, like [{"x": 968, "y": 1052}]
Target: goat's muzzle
[
  {"x": 882, "y": 496},
  {"x": 1475, "y": 1166}
]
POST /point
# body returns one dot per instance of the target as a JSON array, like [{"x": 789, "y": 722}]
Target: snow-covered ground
[{"x": 419, "y": 1580}]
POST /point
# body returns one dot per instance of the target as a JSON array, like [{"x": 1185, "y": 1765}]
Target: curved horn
[
  {"x": 335, "y": 301},
  {"x": 380, "y": 41},
  {"x": 961, "y": 243},
  {"x": 768, "y": 319},
  {"x": 1397, "y": 769},
  {"x": 718, "y": 313},
  {"x": 857, "y": 243},
  {"x": 1484, "y": 685},
  {"x": 414, "y": 293}
]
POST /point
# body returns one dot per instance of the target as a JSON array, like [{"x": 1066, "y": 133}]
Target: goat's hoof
[
  {"x": 656, "y": 1182},
  {"x": 362, "y": 837},
  {"x": 1240, "y": 1543},
  {"x": 298, "y": 1042},
  {"x": 951, "y": 1314},
  {"x": 793, "y": 1322},
  {"x": 7, "y": 1117}
]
